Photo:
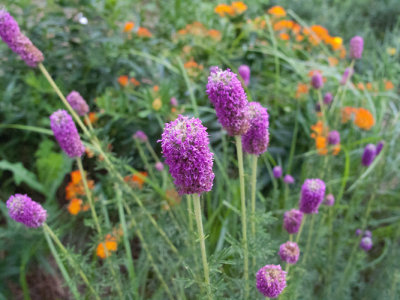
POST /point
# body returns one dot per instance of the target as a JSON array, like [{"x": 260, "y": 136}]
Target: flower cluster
[
  {"x": 271, "y": 280},
  {"x": 24, "y": 210},
  {"x": 140, "y": 32},
  {"x": 235, "y": 9},
  {"x": 75, "y": 191},
  {"x": 136, "y": 180},
  {"x": 78, "y": 103},
  {"x": 361, "y": 117},
  {"x": 312, "y": 195},
  {"x": 289, "y": 252},
  {"x": 325, "y": 140},
  {"x": 198, "y": 29},
  {"x": 255, "y": 140}
]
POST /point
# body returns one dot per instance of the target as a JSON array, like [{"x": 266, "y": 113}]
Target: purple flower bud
[
  {"x": 277, "y": 171},
  {"x": 159, "y": 166},
  {"x": 226, "y": 93},
  {"x": 379, "y": 147},
  {"x": 329, "y": 200},
  {"x": 289, "y": 252},
  {"x": 184, "y": 145},
  {"x": 328, "y": 98},
  {"x": 9, "y": 29},
  {"x": 334, "y": 137},
  {"x": 66, "y": 134},
  {"x": 368, "y": 233},
  {"x": 173, "y": 101},
  {"x": 140, "y": 135},
  {"x": 271, "y": 280},
  {"x": 78, "y": 103},
  {"x": 255, "y": 140},
  {"x": 356, "y": 47},
  {"x": 366, "y": 243},
  {"x": 358, "y": 232},
  {"x": 244, "y": 72},
  {"x": 312, "y": 195},
  {"x": 317, "y": 107},
  {"x": 288, "y": 179},
  {"x": 24, "y": 210},
  {"x": 368, "y": 155},
  {"x": 317, "y": 81},
  {"x": 292, "y": 220},
  {"x": 348, "y": 72}
]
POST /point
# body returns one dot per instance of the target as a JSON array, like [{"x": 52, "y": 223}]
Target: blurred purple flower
[
  {"x": 312, "y": 195},
  {"x": 244, "y": 72},
  {"x": 23, "y": 209},
  {"x": 255, "y": 140},
  {"x": 271, "y": 280}
]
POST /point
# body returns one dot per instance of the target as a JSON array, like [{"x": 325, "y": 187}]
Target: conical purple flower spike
[
  {"x": 334, "y": 137},
  {"x": 78, "y": 103},
  {"x": 366, "y": 243},
  {"x": 271, "y": 280},
  {"x": 292, "y": 220},
  {"x": 289, "y": 252},
  {"x": 379, "y": 147},
  {"x": 356, "y": 47},
  {"x": 277, "y": 171},
  {"x": 226, "y": 93},
  {"x": 317, "y": 81},
  {"x": 24, "y": 210},
  {"x": 255, "y": 140},
  {"x": 140, "y": 135},
  {"x": 66, "y": 134},
  {"x": 244, "y": 72},
  {"x": 312, "y": 195},
  {"x": 348, "y": 72},
  {"x": 328, "y": 98},
  {"x": 184, "y": 145},
  {"x": 368, "y": 155},
  {"x": 288, "y": 179},
  {"x": 159, "y": 166},
  {"x": 329, "y": 200}
]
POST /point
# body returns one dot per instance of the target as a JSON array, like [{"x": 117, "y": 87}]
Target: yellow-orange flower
[
  {"x": 157, "y": 104},
  {"x": 391, "y": 51},
  {"x": 277, "y": 11},
  {"x": 347, "y": 113},
  {"x": 134, "y": 81},
  {"x": 156, "y": 88},
  {"x": 74, "y": 206},
  {"x": 144, "y": 32},
  {"x": 129, "y": 26},
  {"x": 239, "y": 7},
  {"x": 223, "y": 9},
  {"x": 123, "y": 80},
  {"x": 106, "y": 248},
  {"x": 92, "y": 117},
  {"x": 333, "y": 61},
  {"x": 364, "y": 119},
  {"x": 284, "y": 36},
  {"x": 389, "y": 85},
  {"x": 302, "y": 89},
  {"x": 214, "y": 34}
]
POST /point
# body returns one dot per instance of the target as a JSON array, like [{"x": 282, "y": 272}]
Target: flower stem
[
  {"x": 310, "y": 233},
  {"x": 301, "y": 229},
  {"x": 253, "y": 199},
  {"x": 244, "y": 215},
  {"x": 197, "y": 212}
]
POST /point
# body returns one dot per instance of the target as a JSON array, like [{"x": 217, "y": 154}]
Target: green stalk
[
  {"x": 244, "y": 214},
  {"x": 253, "y": 199},
  {"x": 310, "y": 232},
  {"x": 301, "y": 229},
  {"x": 198, "y": 214}
]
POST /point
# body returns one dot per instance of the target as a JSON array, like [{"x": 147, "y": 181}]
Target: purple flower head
[
  {"x": 356, "y": 47},
  {"x": 24, "y": 210},
  {"x": 9, "y": 29},
  {"x": 292, "y": 220},
  {"x": 173, "y": 101},
  {"x": 226, "y": 93},
  {"x": 317, "y": 107},
  {"x": 159, "y": 166},
  {"x": 288, "y": 179},
  {"x": 289, "y": 252},
  {"x": 329, "y": 200},
  {"x": 379, "y": 147},
  {"x": 368, "y": 233},
  {"x": 271, "y": 280},
  {"x": 366, "y": 243},
  {"x": 328, "y": 98},
  {"x": 368, "y": 155},
  {"x": 140, "y": 135},
  {"x": 255, "y": 140},
  {"x": 333, "y": 137},
  {"x": 358, "y": 232},
  {"x": 66, "y": 134},
  {"x": 348, "y": 72},
  {"x": 312, "y": 195},
  {"x": 277, "y": 171},
  {"x": 78, "y": 103},
  {"x": 184, "y": 145},
  {"x": 317, "y": 81},
  {"x": 244, "y": 72}
]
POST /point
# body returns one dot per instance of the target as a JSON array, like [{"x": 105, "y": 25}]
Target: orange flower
[
  {"x": 284, "y": 36},
  {"x": 105, "y": 249},
  {"x": 333, "y": 61},
  {"x": 134, "y": 81},
  {"x": 76, "y": 176},
  {"x": 361, "y": 86},
  {"x": 223, "y": 9},
  {"x": 214, "y": 34},
  {"x": 144, "y": 32},
  {"x": 277, "y": 11},
  {"x": 336, "y": 149},
  {"x": 239, "y": 7},
  {"x": 335, "y": 42},
  {"x": 123, "y": 80},
  {"x": 389, "y": 85},
  {"x": 74, "y": 206},
  {"x": 299, "y": 37},
  {"x": 92, "y": 117},
  {"x": 347, "y": 113},
  {"x": 364, "y": 119},
  {"x": 319, "y": 128},
  {"x": 139, "y": 179},
  {"x": 321, "y": 145},
  {"x": 156, "y": 88},
  {"x": 129, "y": 26},
  {"x": 302, "y": 89},
  {"x": 369, "y": 86},
  {"x": 75, "y": 186}
]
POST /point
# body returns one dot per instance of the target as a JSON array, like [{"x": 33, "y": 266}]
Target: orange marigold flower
[
  {"x": 239, "y": 7},
  {"x": 335, "y": 42},
  {"x": 144, "y": 32},
  {"x": 134, "y": 81},
  {"x": 320, "y": 129},
  {"x": 284, "y": 36},
  {"x": 123, "y": 80},
  {"x": 364, "y": 119},
  {"x": 106, "y": 248},
  {"x": 139, "y": 179},
  {"x": 223, "y": 9},
  {"x": 129, "y": 26},
  {"x": 214, "y": 34},
  {"x": 389, "y": 85},
  {"x": 277, "y": 11},
  {"x": 299, "y": 37},
  {"x": 74, "y": 206},
  {"x": 76, "y": 177},
  {"x": 321, "y": 145}
]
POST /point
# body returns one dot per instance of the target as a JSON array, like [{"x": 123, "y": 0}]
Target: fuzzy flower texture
[
  {"x": 184, "y": 146},
  {"x": 24, "y": 210},
  {"x": 255, "y": 140},
  {"x": 66, "y": 134},
  {"x": 289, "y": 252},
  {"x": 78, "y": 103},
  {"x": 226, "y": 93},
  {"x": 312, "y": 195},
  {"x": 292, "y": 220},
  {"x": 271, "y": 280},
  {"x": 17, "y": 42}
]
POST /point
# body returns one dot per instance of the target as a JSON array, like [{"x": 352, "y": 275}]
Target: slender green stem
[
  {"x": 27, "y": 128},
  {"x": 321, "y": 104},
  {"x": 190, "y": 88},
  {"x": 151, "y": 150},
  {"x": 144, "y": 158},
  {"x": 198, "y": 214},
  {"x": 244, "y": 214},
  {"x": 72, "y": 261},
  {"x": 301, "y": 229},
  {"x": 310, "y": 233},
  {"x": 253, "y": 199},
  {"x": 190, "y": 213}
]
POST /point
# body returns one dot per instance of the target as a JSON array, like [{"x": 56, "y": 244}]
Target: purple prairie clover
[
  {"x": 358, "y": 232},
  {"x": 367, "y": 233},
  {"x": 288, "y": 179},
  {"x": 366, "y": 243},
  {"x": 356, "y": 47},
  {"x": 9, "y": 29},
  {"x": 328, "y": 98},
  {"x": 78, "y": 103},
  {"x": 271, "y": 280},
  {"x": 292, "y": 220},
  {"x": 185, "y": 148},
  {"x": 333, "y": 137},
  {"x": 255, "y": 140},
  {"x": 329, "y": 200},
  {"x": 159, "y": 166},
  {"x": 141, "y": 136},
  {"x": 173, "y": 101},
  {"x": 24, "y": 210},
  {"x": 348, "y": 72},
  {"x": 379, "y": 147},
  {"x": 317, "y": 81},
  {"x": 66, "y": 134},
  {"x": 368, "y": 155},
  {"x": 289, "y": 252},
  {"x": 244, "y": 72},
  {"x": 277, "y": 171},
  {"x": 312, "y": 195},
  {"x": 226, "y": 93}
]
